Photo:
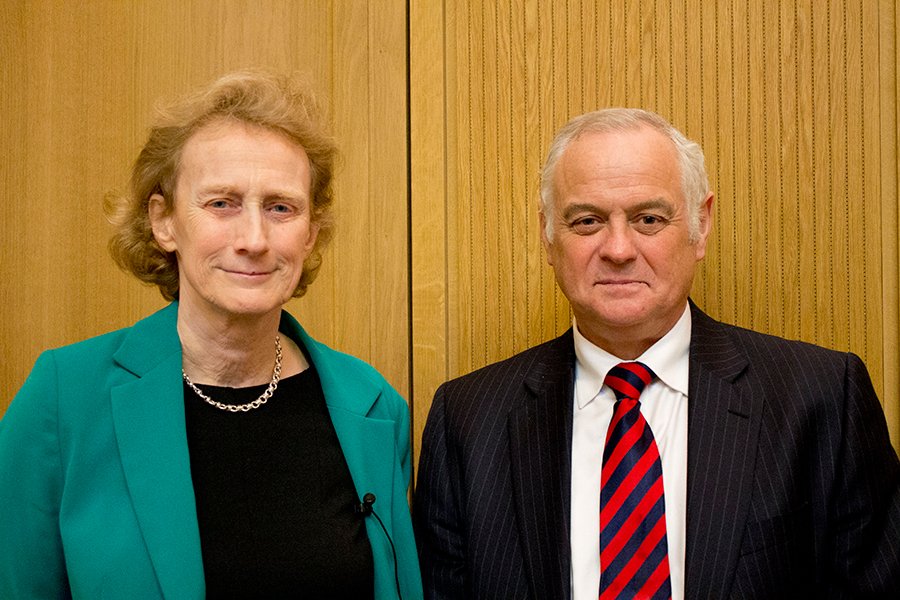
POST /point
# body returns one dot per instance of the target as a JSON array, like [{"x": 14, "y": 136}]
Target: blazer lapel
[
  {"x": 723, "y": 430},
  {"x": 364, "y": 441},
  {"x": 540, "y": 433},
  {"x": 148, "y": 415},
  {"x": 368, "y": 444}
]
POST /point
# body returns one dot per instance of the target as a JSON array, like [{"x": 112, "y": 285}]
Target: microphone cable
[{"x": 365, "y": 509}]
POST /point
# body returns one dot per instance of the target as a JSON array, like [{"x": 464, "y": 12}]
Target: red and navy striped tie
[{"x": 634, "y": 556}]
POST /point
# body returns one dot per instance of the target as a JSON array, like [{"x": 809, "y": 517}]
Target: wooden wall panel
[
  {"x": 794, "y": 102},
  {"x": 889, "y": 168},
  {"x": 79, "y": 84}
]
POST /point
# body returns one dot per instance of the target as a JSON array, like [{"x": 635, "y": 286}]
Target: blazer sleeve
[
  {"x": 864, "y": 525},
  {"x": 31, "y": 555},
  {"x": 437, "y": 515}
]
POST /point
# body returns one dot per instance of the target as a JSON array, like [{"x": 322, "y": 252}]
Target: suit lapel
[
  {"x": 148, "y": 415},
  {"x": 540, "y": 434},
  {"x": 723, "y": 429}
]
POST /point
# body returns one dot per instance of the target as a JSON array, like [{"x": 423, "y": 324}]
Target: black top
[{"x": 274, "y": 496}]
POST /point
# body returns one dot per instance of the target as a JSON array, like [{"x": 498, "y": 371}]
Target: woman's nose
[{"x": 251, "y": 235}]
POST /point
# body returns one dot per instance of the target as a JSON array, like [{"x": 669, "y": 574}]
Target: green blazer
[{"x": 96, "y": 499}]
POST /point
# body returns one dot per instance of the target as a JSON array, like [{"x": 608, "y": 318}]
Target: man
[{"x": 748, "y": 467}]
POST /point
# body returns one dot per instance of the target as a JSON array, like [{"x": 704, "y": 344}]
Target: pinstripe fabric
[
  {"x": 493, "y": 488},
  {"x": 793, "y": 486}
]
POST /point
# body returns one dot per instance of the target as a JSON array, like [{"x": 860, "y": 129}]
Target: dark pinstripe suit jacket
[{"x": 793, "y": 486}]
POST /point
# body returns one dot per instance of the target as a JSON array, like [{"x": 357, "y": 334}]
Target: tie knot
[{"x": 628, "y": 379}]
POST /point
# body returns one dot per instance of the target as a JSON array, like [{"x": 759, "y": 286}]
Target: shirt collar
[{"x": 668, "y": 358}]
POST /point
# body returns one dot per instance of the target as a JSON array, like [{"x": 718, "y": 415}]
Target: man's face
[{"x": 621, "y": 247}]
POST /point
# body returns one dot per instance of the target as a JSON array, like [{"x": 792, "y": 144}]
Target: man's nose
[{"x": 618, "y": 243}]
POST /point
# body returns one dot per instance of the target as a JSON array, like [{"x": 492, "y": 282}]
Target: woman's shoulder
[
  {"x": 327, "y": 358},
  {"x": 84, "y": 356},
  {"x": 346, "y": 367},
  {"x": 95, "y": 354}
]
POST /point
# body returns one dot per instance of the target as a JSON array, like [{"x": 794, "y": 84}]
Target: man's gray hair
[{"x": 694, "y": 180}]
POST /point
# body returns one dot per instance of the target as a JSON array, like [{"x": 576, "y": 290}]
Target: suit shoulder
[
  {"x": 506, "y": 376},
  {"x": 516, "y": 364},
  {"x": 780, "y": 347},
  {"x": 791, "y": 358}
]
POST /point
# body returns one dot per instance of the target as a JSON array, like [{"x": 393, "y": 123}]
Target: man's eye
[
  {"x": 650, "y": 224},
  {"x": 218, "y": 203},
  {"x": 586, "y": 225}
]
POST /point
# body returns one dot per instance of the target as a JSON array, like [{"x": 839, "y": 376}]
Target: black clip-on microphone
[{"x": 365, "y": 509}]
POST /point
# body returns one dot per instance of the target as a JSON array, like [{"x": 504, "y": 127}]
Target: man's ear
[
  {"x": 706, "y": 222},
  {"x": 161, "y": 222}
]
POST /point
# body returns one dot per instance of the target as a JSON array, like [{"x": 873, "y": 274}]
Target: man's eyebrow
[
  {"x": 658, "y": 204},
  {"x": 584, "y": 207}
]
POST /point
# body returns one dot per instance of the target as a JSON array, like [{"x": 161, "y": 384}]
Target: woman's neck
[{"x": 228, "y": 351}]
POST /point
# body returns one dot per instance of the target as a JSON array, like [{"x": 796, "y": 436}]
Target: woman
[{"x": 212, "y": 449}]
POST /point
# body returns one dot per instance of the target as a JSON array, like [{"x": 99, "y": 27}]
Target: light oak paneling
[
  {"x": 79, "y": 84},
  {"x": 794, "y": 102},
  {"x": 430, "y": 187}
]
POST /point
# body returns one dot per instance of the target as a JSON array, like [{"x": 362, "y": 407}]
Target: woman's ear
[{"x": 161, "y": 223}]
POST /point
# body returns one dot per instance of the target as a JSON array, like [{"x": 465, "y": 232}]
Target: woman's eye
[
  {"x": 218, "y": 203},
  {"x": 281, "y": 208}
]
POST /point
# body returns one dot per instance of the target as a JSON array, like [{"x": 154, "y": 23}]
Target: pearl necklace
[{"x": 264, "y": 397}]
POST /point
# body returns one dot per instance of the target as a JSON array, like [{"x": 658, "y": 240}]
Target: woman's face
[{"x": 240, "y": 227}]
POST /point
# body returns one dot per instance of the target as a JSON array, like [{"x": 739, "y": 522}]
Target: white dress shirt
[{"x": 664, "y": 406}]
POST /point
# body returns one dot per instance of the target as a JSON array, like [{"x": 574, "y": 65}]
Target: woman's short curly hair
[{"x": 278, "y": 103}]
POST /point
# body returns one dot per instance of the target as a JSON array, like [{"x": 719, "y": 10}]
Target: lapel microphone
[{"x": 364, "y": 509}]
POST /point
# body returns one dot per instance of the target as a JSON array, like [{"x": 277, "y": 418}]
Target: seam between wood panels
[
  {"x": 718, "y": 237},
  {"x": 749, "y": 84},
  {"x": 470, "y": 191},
  {"x": 797, "y": 196},
  {"x": 862, "y": 174},
  {"x": 813, "y": 172},
  {"x": 830, "y": 195}
]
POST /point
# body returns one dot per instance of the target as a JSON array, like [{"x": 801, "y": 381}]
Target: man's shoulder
[
  {"x": 534, "y": 363},
  {"x": 763, "y": 350},
  {"x": 753, "y": 339}
]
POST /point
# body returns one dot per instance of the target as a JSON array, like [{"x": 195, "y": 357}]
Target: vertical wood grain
[
  {"x": 795, "y": 104},
  {"x": 429, "y": 187},
  {"x": 80, "y": 82},
  {"x": 889, "y": 170}
]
